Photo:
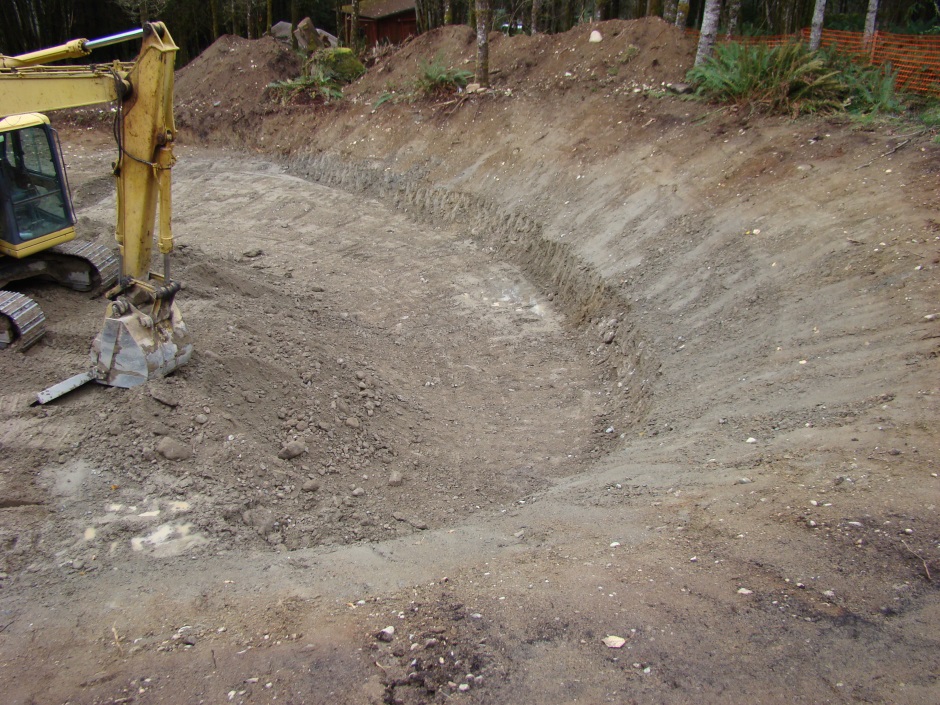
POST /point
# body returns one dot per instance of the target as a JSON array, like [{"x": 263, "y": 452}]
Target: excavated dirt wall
[{"x": 572, "y": 284}]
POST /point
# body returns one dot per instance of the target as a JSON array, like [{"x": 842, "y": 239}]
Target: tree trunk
[
  {"x": 669, "y": 11},
  {"x": 294, "y": 21},
  {"x": 706, "y": 39},
  {"x": 734, "y": 18},
  {"x": 682, "y": 14},
  {"x": 270, "y": 17},
  {"x": 353, "y": 39},
  {"x": 483, "y": 42},
  {"x": 870, "y": 20},
  {"x": 815, "y": 36},
  {"x": 536, "y": 16},
  {"x": 214, "y": 14}
]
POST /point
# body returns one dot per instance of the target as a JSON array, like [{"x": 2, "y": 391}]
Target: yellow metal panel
[
  {"x": 31, "y": 247},
  {"x": 18, "y": 122},
  {"x": 30, "y": 93}
]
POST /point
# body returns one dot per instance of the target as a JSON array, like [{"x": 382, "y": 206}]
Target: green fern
[
  {"x": 436, "y": 77},
  {"x": 783, "y": 79}
]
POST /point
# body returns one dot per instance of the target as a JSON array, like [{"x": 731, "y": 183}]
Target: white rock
[
  {"x": 614, "y": 642},
  {"x": 745, "y": 591},
  {"x": 595, "y": 37}
]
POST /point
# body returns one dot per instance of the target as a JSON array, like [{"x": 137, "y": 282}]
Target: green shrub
[
  {"x": 341, "y": 63},
  {"x": 324, "y": 75},
  {"x": 784, "y": 79},
  {"x": 320, "y": 83},
  {"x": 437, "y": 78},
  {"x": 869, "y": 89}
]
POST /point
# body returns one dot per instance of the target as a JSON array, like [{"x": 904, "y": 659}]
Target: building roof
[{"x": 377, "y": 9}]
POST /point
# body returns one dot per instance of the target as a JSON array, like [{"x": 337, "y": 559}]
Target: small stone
[
  {"x": 164, "y": 397},
  {"x": 172, "y": 449},
  {"x": 463, "y": 687},
  {"x": 201, "y": 419},
  {"x": 614, "y": 642},
  {"x": 189, "y": 640},
  {"x": 310, "y": 486},
  {"x": 358, "y": 492},
  {"x": 386, "y": 634},
  {"x": 743, "y": 481},
  {"x": 680, "y": 88},
  {"x": 751, "y": 440},
  {"x": 609, "y": 337},
  {"x": 251, "y": 254},
  {"x": 352, "y": 422},
  {"x": 292, "y": 450},
  {"x": 745, "y": 591},
  {"x": 395, "y": 479},
  {"x": 596, "y": 37}
]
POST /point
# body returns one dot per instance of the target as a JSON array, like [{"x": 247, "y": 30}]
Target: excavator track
[
  {"x": 102, "y": 260},
  {"x": 79, "y": 265},
  {"x": 20, "y": 318}
]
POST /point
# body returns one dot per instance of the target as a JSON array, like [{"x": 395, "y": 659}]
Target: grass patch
[{"x": 435, "y": 79}]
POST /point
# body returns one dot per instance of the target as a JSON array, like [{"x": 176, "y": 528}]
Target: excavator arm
[{"x": 143, "y": 335}]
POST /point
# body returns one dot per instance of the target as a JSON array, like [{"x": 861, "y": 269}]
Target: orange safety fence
[{"x": 915, "y": 58}]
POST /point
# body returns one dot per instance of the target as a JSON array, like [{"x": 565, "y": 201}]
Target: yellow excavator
[{"x": 143, "y": 336}]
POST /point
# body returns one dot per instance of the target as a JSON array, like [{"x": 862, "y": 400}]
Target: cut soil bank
[{"x": 566, "y": 360}]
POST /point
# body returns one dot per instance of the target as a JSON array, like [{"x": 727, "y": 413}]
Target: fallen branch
[
  {"x": 922, "y": 560},
  {"x": 890, "y": 151},
  {"x": 117, "y": 639}
]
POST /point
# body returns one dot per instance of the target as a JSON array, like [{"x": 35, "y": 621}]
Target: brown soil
[{"x": 568, "y": 359}]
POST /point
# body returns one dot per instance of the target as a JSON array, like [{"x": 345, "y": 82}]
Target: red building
[{"x": 391, "y": 21}]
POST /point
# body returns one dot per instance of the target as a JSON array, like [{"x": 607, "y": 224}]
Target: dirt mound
[
  {"x": 224, "y": 88},
  {"x": 631, "y": 55},
  {"x": 228, "y": 80}
]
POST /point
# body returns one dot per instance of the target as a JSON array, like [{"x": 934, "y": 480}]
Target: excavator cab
[{"x": 35, "y": 208}]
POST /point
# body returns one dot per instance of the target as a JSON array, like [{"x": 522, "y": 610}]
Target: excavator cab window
[{"x": 34, "y": 199}]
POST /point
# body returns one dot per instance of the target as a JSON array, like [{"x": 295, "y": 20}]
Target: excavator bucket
[{"x": 143, "y": 338}]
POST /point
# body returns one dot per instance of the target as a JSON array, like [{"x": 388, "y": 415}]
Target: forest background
[{"x": 26, "y": 25}]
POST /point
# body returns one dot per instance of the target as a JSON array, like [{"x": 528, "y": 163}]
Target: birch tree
[
  {"x": 870, "y": 20},
  {"x": 734, "y": 17},
  {"x": 669, "y": 11},
  {"x": 706, "y": 39},
  {"x": 483, "y": 42},
  {"x": 815, "y": 36},
  {"x": 682, "y": 13}
]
